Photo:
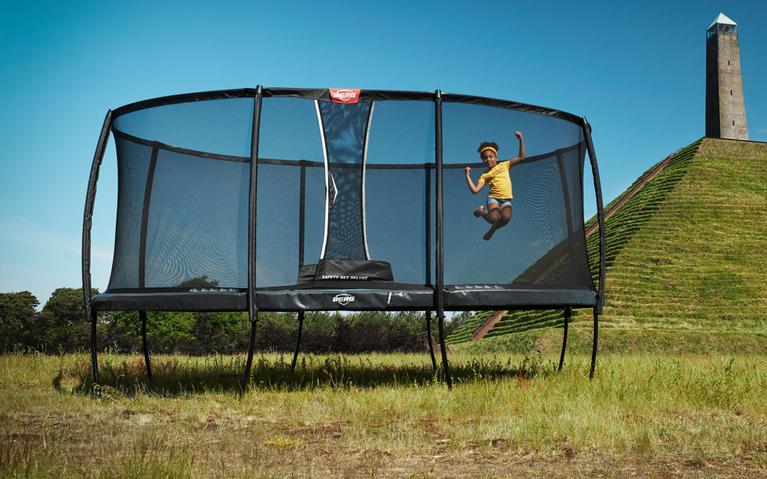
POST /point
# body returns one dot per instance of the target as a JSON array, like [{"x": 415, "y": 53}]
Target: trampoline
[{"x": 283, "y": 199}]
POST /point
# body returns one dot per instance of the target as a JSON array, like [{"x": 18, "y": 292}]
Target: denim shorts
[{"x": 501, "y": 202}]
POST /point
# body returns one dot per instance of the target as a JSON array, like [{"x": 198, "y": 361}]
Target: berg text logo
[
  {"x": 344, "y": 95},
  {"x": 343, "y": 299}
]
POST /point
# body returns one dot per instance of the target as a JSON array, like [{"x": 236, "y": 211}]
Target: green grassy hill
[{"x": 687, "y": 252}]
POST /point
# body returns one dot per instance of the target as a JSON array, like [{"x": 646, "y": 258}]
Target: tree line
[{"x": 61, "y": 326}]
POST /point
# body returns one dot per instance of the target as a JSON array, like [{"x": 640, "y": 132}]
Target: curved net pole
[
  {"x": 430, "y": 340},
  {"x": 599, "y": 307},
  {"x": 298, "y": 340},
  {"x": 440, "y": 270},
  {"x": 252, "y": 195},
  {"x": 568, "y": 314},
  {"x": 145, "y": 346},
  {"x": 90, "y": 199}
]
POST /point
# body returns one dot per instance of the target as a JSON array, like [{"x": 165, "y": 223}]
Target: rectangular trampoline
[{"x": 274, "y": 199}]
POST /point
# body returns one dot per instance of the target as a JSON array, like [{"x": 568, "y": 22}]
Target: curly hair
[{"x": 485, "y": 144}]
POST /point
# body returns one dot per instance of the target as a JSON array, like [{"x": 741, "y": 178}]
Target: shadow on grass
[{"x": 174, "y": 375}]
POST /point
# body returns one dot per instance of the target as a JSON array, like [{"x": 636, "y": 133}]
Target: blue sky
[{"x": 635, "y": 69}]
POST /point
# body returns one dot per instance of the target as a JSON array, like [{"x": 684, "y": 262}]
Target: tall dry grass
[{"x": 384, "y": 416}]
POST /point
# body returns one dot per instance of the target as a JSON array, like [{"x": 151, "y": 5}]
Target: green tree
[
  {"x": 275, "y": 331},
  {"x": 120, "y": 331},
  {"x": 17, "y": 316},
  {"x": 319, "y": 332},
  {"x": 62, "y": 324},
  {"x": 382, "y": 331},
  {"x": 171, "y": 331},
  {"x": 166, "y": 331},
  {"x": 218, "y": 332}
]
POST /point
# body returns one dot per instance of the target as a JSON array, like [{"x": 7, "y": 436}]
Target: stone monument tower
[{"x": 725, "y": 108}]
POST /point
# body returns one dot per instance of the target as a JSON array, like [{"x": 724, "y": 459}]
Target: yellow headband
[{"x": 489, "y": 148}]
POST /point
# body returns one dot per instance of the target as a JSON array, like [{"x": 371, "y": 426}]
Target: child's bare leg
[
  {"x": 504, "y": 216},
  {"x": 491, "y": 215}
]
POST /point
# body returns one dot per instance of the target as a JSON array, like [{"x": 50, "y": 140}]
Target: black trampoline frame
[{"x": 249, "y": 299}]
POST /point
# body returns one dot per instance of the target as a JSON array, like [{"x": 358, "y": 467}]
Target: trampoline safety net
[{"x": 345, "y": 201}]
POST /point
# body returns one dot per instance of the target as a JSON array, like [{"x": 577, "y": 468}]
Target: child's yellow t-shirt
[{"x": 498, "y": 181}]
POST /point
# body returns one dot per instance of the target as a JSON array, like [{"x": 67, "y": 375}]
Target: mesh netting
[
  {"x": 198, "y": 223},
  {"x": 543, "y": 243},
  {"x": 344, "y": 130},
  {"x": 356, "y": 179},
  {"x": 133, "y": 162}
]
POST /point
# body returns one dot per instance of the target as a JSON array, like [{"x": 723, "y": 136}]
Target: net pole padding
[
  {"x": 90, "y": 199},
  {"x": 427, "y": 258},
  {"x": 252, "y": 207},
  {"x": 298, "y": 340},
  {"x": 145, "y": 346},
  {"x": 427, "y": 230},
  {"x": 568, "y": 314},
  {"x": 301, "y": 239},
  {"x": 301, "y": 216},
  {"x": 599, "y": 307},
  {"x": 145, "y": 216},
  {"x": 565, "y": 192},
  {"x": 440, "y": 259},
  {"x": 362, "y": 183}
]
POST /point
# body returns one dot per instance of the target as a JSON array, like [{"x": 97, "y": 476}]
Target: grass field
[{"x": 651, "y": 415}]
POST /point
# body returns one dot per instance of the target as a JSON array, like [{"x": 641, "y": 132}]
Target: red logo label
[{"x": 344, "y": 95}]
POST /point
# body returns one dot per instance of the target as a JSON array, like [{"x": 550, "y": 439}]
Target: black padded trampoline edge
[{"x": 297, "y": 299}]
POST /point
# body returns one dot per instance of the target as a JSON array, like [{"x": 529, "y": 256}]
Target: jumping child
[{"x": 498, "y": 212}]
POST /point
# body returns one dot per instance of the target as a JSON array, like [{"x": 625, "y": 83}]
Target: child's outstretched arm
[
  {"x": 474, "y": 188},
  {"x": 521, "y": 155}
]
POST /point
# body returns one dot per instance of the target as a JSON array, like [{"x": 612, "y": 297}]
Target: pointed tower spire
[
  {"x": 722, "y": 19},
  {"x": 725, "y": 106}
]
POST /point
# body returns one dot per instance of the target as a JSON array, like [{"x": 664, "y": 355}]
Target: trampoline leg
[
  {"x": 298, "y": 341},
  {"x": 431, "y": 340},
  {"x": 251, "y": 347},
  {"x": 142, "y": 316},
  {"x": 568, "y": 313},
  {"x": 594, "y": 345},
  {"x": 94, "y": 353},
  {"x": 443, "y": 349}
]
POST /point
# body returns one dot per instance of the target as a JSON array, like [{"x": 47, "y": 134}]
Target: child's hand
[
  {"x": 518, "y": 134},
  {"x": 467, "y": 170}
]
